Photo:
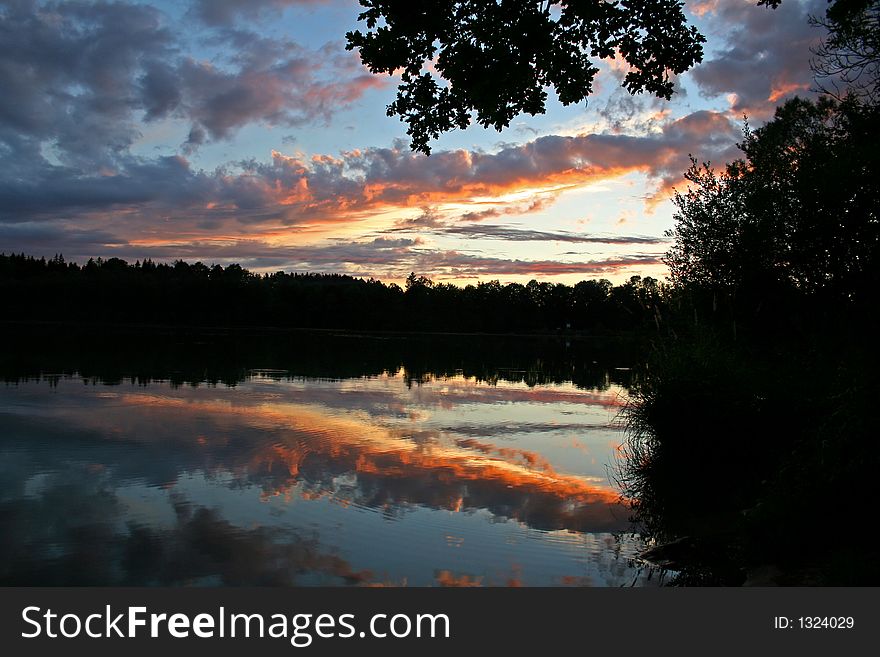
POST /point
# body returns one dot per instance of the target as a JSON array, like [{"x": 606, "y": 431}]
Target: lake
[{"x": 303, "y": 458}]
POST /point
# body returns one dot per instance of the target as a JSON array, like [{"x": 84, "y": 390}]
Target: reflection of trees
[{"x": 194, "y": 357}]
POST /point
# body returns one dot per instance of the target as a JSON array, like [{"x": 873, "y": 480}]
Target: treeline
[{"x": 185, "y": 294}]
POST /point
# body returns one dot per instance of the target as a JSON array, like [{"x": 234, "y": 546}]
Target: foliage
[
  {"x": 498, "y": 57},
  {"x": 848, "y": 60},
  {"x": 461, "y": 60},
  {"x": 799, "y": 212},
  {"x": 704, "y": 432}
]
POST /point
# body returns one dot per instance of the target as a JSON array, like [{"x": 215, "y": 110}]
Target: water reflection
[{"x": 286, "y": 480}]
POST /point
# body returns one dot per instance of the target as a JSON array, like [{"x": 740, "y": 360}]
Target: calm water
[{"x": 389, "y": 477}]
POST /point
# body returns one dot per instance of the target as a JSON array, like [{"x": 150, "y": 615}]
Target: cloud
[
  {"x": 227, "y": 12},
  {"x": 540, "y": 201},
  {"x": 371, "y": 256},
  {"x": 765, "y": 57},
  {"x": 269, "y": 81},
  {"x": 454, "y": 263},
  {"x": 81, "y": 81},
  {"x": 379, "y": 258},
  {"x": 374, "y": 178},
  {"x": 308, "y": 449},
  {"x": 702, "y": 7},
  {"x": 68, "y": 73},
  {"x": 428, "y": 219},
  {"x": 508, "y": 233},
  {"x": 432, "y": 220},
  {"x": 56, "y": 191},
  {"x": 96, "y": 544},
  {"x": 59, "y": 237},
  {"x": 165, "y": 209}
]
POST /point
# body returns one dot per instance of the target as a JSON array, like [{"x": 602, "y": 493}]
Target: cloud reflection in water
[{"x": 310, "y": 482}]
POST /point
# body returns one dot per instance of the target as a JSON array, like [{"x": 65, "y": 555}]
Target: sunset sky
[{"x": 243, "y": 131}]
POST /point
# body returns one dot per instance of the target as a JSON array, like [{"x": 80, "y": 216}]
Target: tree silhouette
[
  {"x": 461, "y": 60},
  {"x": 498, "y": 57},
  {"x": 799, "y": 211},
  {"x": 786, "y": 243},
  {"x": 848, "y": 59}
]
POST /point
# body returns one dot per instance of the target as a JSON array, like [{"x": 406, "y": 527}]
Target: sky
[{"x": 243, "y": 131}]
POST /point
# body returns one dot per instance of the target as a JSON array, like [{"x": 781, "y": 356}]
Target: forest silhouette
[{"x": 184, "y": 294}]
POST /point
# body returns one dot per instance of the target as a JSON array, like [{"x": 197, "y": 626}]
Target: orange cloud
[
  {"x": 781, "y": 89},
  {"x": 327, "y": 188},
  {"x": 702, "y": 7}
]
